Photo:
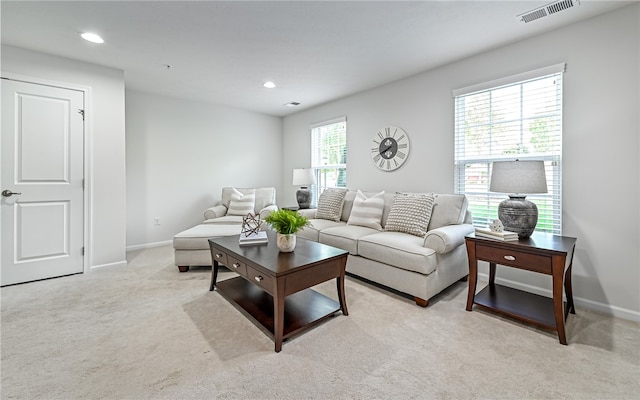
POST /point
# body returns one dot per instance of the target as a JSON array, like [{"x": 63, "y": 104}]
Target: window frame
[
  {"x": 483, "y": 204},
  {"x": 322, "y": 166}
]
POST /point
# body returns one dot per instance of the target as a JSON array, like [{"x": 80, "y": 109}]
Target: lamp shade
[
  {"x": 303, "y": 177},
  {"x": 522, "y": 177}
]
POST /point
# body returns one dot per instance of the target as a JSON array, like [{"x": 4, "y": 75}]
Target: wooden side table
[{"x": 543, "y": 253}]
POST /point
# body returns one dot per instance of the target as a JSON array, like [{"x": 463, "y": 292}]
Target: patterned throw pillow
[
  {"x": 242, "y": 204},
  {"x": 367, "y": 211},
  {"x": 410, "y": 213},
  {"x": 330, "y": 204}
]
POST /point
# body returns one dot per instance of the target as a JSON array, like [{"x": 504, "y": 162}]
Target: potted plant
[{"x": 286, "y": 223}]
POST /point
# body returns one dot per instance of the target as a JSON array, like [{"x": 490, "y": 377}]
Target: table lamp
[
  {"x": 303, "y": 177},
  {"x": 518, "y": 178}
]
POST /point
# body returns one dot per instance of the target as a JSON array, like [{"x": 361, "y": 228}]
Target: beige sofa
[
  {"x": 417, "y": 265},
  {"x": 191, "y": 247}
]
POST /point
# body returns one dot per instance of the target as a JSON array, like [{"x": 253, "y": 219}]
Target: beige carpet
[{"x": 146, "y": 331}]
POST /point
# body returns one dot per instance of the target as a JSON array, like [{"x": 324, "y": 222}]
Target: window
[
  {"x": 329, "y": 155},
  {"x": 519, "y": 117}
]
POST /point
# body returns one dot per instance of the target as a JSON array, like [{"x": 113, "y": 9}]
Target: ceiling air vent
[{"x": 547, "y": 10}]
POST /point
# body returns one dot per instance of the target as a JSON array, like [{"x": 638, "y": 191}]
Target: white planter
[{"x": 286, "y": 243}]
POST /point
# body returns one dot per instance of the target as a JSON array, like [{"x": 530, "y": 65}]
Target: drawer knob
[
  {"x": 218, "y": 255},
  {"x": 258, "y": 278},
  {"x": 236, "y": 265},
  {"x": 510, "y": 258}
]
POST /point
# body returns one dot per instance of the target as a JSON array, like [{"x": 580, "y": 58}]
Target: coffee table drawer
[
  {"x": 260, "y": 279},
  {"x": 219, "y": 256},
  {"x": 528, "y": 261},
  {"x": 237, "y": 266}
]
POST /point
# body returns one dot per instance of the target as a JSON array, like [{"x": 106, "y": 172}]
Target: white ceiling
[{"x": 315, "y": 51}]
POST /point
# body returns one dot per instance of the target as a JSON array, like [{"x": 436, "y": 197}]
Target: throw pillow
[
  {"x": 367, "y": 211},
  {"x": 410, "y": 213},
  {"x": 242, "y": 204},
  {"x": 330, "y": 204}
]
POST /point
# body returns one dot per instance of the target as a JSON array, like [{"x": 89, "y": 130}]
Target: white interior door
[{"x": 42, "y": 202}]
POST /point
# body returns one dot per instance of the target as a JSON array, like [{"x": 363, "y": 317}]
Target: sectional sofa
[{"x": 412, "y": 243}]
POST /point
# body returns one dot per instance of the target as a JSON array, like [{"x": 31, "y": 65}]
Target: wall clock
[{"x": 390, "y": 148}]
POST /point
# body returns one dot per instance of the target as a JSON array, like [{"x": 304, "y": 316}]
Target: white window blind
[
  {"x": 329, "y": 155},
  {"x": 519, "y": 119}
]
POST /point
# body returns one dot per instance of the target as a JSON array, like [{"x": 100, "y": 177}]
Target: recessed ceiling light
[
  {"x": 269, "y": 85},
  {"x": 292, "y": 104},
  {"x": 92, "y": 37}
]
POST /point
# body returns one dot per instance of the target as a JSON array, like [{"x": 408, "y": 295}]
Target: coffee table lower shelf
[
  {"x": 302, "y": 310},
  {"x": 524, "y": 306}
]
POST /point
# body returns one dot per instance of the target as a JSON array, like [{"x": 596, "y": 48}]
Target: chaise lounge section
[{"x": 191, "y": 247}]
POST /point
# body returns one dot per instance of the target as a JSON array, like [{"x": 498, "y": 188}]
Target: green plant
[{"x": 286, "y": 222}]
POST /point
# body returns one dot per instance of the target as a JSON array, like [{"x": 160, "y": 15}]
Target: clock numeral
[
  {"x": 381, "y": 163},
  {"x": 387, "y": 131},
  {"x": 401, "y": 137},
  {"x": 388, "y": 164},
  {"x": 402, "y": 146},
  {"x": 375, "y": 149},
  {"x": 395, "y": 161},
  {"x": 380, "y": 135},
  {"x": 376, "y": 158},
  {"x": 401, "y": 154}
]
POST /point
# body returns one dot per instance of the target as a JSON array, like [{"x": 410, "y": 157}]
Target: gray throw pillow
[
  {"x": 330, "y": 204},
  {"x": 410, "y": 213}
]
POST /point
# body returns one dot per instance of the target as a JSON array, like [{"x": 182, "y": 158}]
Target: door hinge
[
  {"x": 81, "y": 112},
  {"x": 83, "y": 250}
]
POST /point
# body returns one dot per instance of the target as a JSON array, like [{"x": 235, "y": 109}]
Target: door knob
[{"x": 8, "y": 193}]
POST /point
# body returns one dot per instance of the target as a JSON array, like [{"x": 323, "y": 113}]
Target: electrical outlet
[{"x": 156, "y": 221}]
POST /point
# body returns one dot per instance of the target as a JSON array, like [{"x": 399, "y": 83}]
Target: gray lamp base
[
  {"x": 518, "y": 215},
  {"x": 303, "y": 196}
]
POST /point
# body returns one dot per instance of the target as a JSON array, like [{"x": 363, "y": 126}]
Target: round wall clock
[{"x": 390, "y": 148}]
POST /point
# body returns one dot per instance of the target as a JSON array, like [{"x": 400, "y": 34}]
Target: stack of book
[
  {"x": 488, "y": 233},
  {"x": 253, "y": 238}
]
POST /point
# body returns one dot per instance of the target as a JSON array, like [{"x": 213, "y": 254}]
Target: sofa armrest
[
  {"x": 215, "y": 212},
  {"x": 264, "y": 213},
  {"x": 308, "y": 212},
  {"x": 447, "y": 238}
]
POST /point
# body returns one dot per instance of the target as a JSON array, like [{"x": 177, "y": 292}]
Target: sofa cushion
[
  {"x": 197, "y": 237},
  {"x": 448, "y": 209},
  {"x": 330, "y": 204},
  {"x": 242, "y": 203},
  {"x": 226, "y": 220},
  {"x": 345, "y": 237},
  {"x": 367, "y": 211},
  {"x": 312, "y": 232},
  {"x": 400, "y": 250},
  {"x": 349, "y": 197},
  {"x": 410, "y": 213}
]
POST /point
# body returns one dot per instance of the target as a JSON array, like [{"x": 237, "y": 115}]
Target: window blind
[
  {"x": 516, "y": 120},
  {"x": 329, "y": 155}
]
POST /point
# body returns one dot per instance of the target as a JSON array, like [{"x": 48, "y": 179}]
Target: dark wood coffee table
[{"x": 274, "y": 288}]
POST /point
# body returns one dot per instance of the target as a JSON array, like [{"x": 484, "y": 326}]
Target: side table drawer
[
  {"x": 237, "y": 266},
  {"x": 260, "y": 279},
  {"x": 528, "y": 261}
]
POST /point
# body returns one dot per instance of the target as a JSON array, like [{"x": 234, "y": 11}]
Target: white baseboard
[
  {"x": 148, "y": 245},
  {"x": 115, "y": 264},
  {"x": 603, "y": 308}
]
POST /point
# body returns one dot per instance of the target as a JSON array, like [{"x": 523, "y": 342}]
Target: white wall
[
  {"x": 106, "y": 143},
  {"x": 181, "y": 153},
  {"x": 601, "y": 173}
]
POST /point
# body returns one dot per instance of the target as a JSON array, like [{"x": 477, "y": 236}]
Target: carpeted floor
[{"x": 146, "y": 331}]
